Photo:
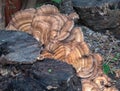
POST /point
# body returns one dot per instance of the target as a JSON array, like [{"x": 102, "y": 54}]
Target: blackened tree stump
[
  {"x": 18, "y": 47},
  {"x": 66, "y": 7},
  {"x": 99, "y": 14},
  {"x": 55, "y": 75},
  {"x": 46, "y": 75},
  {"x": 20, "y": 71}
]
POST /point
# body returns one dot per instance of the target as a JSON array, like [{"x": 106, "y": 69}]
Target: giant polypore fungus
[{"x": 63, "y": 41}]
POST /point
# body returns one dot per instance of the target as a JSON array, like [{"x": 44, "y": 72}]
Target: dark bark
[
  {"x": 99, "y": 14},
  {"x": 18, "y": 47},
  {"x": 47, "y": 75},
  {"x": 66, "y": 6}
]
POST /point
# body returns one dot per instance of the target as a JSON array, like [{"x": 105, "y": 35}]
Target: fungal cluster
[{"x": 63, "y": 41}]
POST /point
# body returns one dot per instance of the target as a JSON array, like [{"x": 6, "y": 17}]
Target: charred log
[{"x": 18, "y": 47}]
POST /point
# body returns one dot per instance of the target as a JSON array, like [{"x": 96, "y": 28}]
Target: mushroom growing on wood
[
  {"x": 47, "y": 9},
  {"x": 22, "y": 20},
  {"x": 63, "y": 41},
  {"x": 89, "y": 86}
]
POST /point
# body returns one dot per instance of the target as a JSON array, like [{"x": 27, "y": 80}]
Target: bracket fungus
[{"x": 63, "y": 41}]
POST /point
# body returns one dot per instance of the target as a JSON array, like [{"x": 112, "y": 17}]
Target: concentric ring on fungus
[
  {"x": 62, "y": 41},
  {"x": 47, "y": 9},
  {"x": 22, "y": 20},
  {"x": 89, "y": 86}
]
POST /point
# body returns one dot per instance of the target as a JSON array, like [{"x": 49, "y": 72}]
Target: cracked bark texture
[{"x": 99, "y": 14}]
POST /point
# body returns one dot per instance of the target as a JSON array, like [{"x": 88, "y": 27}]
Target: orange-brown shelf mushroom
[
  {"x": 63, "y": 41},
  {"x": 102, "y": 80},
  {"x": 22, "y": 20},
  {"x": 47, "y": 9},
  {"x": 110, "y": 89},
  {"x": 89, "y": 86}
]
